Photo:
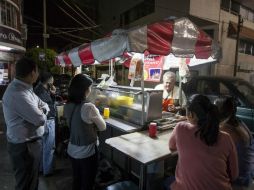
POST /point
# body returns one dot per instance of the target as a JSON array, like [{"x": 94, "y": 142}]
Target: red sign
[{"x": 153, "y": 68}]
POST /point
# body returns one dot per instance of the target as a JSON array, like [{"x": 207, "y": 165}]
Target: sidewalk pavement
[{"x": 60, "y": 180}]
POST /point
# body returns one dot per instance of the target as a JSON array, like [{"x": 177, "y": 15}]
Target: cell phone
[{"x": 50, "y": 86}]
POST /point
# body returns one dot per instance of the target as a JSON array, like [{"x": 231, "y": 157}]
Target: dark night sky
[{"x": 57, "y": 22}]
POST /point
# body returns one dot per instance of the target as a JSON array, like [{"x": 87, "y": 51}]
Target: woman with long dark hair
[
  {"x": 242, "y": 138},
  {"x": 84, "y": 121},
  {"x": 207, "y": 158}
]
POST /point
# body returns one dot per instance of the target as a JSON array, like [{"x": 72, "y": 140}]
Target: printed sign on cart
[
  {"x": 153, "y": 68},
  {"x": 135, "y": 69}
]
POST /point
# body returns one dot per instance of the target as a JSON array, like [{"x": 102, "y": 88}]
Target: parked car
[{"x": 214, "y": 86}]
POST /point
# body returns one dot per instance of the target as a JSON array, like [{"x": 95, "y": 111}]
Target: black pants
[
  {"x": 25, "y": 159},
  {"x": 84, "y": 172}
]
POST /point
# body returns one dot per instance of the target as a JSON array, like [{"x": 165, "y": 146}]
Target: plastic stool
[{"x": 123, "y": 185}]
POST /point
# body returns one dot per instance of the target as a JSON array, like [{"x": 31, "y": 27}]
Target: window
[
  {"x": 207, "y": 87},
  {"x": 235, "y": 7},
  {"x": 3, "y": 13},
  {"x": 140, "y": 10},
  {"x": 225, "y": 4},
  {"x": 241, "y": 48},
  {"x": 9, "y": 14},
  {"x": 251, "y": 16},
  {"x": 246, "y": 90},
  {"x": 244, "y": 12},
  {"x": 224, "y": 89},
  {"x": 246, "y": 47}
]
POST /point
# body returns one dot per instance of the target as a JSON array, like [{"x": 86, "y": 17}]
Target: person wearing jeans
[{"x": 46, "y": 90}]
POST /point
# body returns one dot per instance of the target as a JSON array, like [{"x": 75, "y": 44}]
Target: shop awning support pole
[
  {"x": 143, "y": 91},
  {"x": 111, "y": 67},
  {"x": 180, "y": 91}
]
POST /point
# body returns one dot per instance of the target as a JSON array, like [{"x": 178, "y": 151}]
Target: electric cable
[
  {"x": 74, "y": 18},
  {"x": 78, "y": 13},
  {"x": 52, "y": 28}
]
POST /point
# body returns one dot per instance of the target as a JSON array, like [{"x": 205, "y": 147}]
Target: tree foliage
[{"x": 46, "y": 63}]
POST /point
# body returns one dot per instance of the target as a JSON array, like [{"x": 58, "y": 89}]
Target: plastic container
[
  {"x": 152, "y": 129},
  {"x": 106, "y": 113}
]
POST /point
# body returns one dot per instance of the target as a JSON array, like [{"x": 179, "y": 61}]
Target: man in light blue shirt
[{"x": 25, "y": 116}]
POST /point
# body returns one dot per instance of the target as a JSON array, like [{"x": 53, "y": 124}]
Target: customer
[
  {"x": 207, "y": 158},
  {"x": 84, "y": 120},
  {"x": 25, "y": 117},
  {"x": 46, "y": 91},
  {"x": 242, "y": 138},
  {"x": 171, "y": 92}
]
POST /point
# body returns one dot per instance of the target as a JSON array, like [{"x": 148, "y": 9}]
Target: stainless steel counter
[
  {"x": 140, "y": 147},
  {"x": 123, "y": 125}
]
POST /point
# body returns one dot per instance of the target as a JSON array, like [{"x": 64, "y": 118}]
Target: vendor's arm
[
  {"x": 94, "y": 116},
  {"x": 159, "y": 87}
]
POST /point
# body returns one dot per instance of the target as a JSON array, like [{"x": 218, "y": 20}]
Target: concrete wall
[
  {"x": 226, "y": 66},
  {"x": 205, "y": 9},
  {"x": 110, "y": 12}
]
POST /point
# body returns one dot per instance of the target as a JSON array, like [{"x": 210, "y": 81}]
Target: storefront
[{"x": 11, "y": 42}]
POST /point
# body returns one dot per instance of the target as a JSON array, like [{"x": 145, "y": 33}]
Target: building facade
[
  {"x": 12, "y": 36},
  {"x": 219, "y": 18}
]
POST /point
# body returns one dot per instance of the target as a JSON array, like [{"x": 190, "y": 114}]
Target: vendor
[{"x": 171, "y": 93}]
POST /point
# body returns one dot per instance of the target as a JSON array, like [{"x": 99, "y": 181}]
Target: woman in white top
[{"x": 84, "y": 121}]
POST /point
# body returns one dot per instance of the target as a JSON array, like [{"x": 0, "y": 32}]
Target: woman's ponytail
[{"x": 207, "y": 118}]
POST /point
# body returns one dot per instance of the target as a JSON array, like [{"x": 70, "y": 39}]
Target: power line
[
  {"x": 79, "y": 43},
  {"x": 77, "y": 13},
  {"x": 64, "y": 28},
  {"x": 92, "y": 24},
  {"x": 75, "y": 30},
  {"x": 73, "y": 18},
  {"x": 90, "y": 20},
  {"x": 52, "y": 28}
]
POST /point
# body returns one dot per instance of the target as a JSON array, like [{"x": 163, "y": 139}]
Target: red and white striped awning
[{"x": 181, "y": 37}]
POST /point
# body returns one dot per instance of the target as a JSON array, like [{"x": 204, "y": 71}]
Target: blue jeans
[{"x": 48, "y": 147}]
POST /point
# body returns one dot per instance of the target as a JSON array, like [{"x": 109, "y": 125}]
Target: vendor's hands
[{"x": 171, "y": 108}]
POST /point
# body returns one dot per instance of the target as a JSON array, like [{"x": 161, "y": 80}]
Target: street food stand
[
  {"x": 178, "y": 38},
  {"x": 138, "y": 106}
]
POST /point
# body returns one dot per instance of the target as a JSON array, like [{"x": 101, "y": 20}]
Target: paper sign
[
  {"x": 135, "y": 69},
  {"x": 153, "y": 68}
]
